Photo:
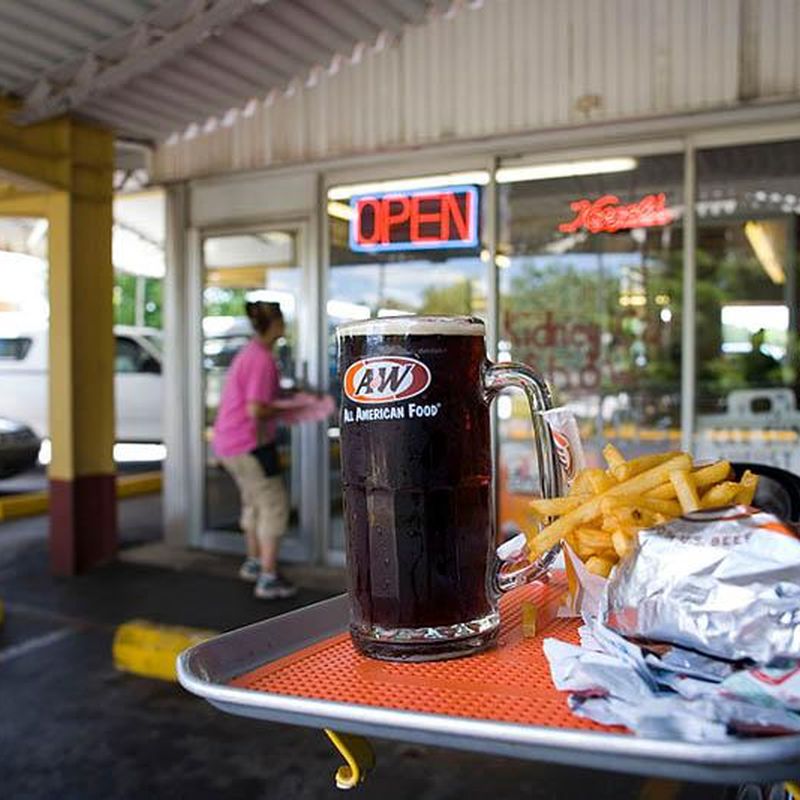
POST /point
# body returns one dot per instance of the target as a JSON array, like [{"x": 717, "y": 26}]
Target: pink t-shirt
[{"x": 253, "y": 377}]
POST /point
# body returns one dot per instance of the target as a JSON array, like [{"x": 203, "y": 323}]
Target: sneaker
[
  {"x": 250, "y": 570},
  {"x": 273, "y": 587}
]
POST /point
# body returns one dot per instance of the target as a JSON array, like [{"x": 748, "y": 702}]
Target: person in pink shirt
[{"x": 244, "y": 441}]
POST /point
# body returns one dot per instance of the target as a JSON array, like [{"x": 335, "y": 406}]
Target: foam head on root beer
[{"x": 416, "y": 476}]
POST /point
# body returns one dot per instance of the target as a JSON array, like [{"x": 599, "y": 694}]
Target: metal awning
[{"x": 152, "y": 68}]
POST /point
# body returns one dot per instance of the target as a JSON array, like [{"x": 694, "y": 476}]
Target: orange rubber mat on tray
[{"x": 510, "y": 683}]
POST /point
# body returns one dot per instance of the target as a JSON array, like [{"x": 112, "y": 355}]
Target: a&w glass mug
[{"x": 423, "y": 568}]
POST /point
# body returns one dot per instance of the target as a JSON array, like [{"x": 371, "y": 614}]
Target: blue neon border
[{"x": 460, "y": 244}]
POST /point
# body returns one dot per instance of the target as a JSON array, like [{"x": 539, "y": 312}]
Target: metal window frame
[
  {"x": 311, "y": 519},
  {"x": 689, "y": 300}
]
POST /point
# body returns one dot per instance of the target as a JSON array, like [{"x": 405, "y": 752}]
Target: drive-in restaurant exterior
[
  {"x": 613, "y": 187},
  {"x": 636, "y": 245}
]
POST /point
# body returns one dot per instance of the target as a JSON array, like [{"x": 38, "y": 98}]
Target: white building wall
[
  {"x": 775, "y": 28},
  {"x": 511, "y": 66}
]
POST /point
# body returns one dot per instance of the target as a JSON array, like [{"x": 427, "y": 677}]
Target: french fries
[
  {"x": 749, "y": 484},
  {"x": 557, "y": 505},
  {"x": 721, "y": 494},
  {"x": 702, "y": 477},
  {"x": 599, "y": 566},
  {"x": 613, "y": 457},
  {"x": 605, "y": 509},
  {"x": 638, "y": 465},
  {"x": 599, "y": 480},
  {"x": 686, "y": 490},
  {"x": 580, "y": 484},
  {"x": 586, "y": 512},
  {"x": 622, "y": 544}
]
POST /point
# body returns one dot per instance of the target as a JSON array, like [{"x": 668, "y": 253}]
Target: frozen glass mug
[{"x": 424, "y": 573}]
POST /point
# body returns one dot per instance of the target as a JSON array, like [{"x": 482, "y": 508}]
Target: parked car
[
  {"x": 19, "y": 448},
  {"x": 137, "y": 382}
]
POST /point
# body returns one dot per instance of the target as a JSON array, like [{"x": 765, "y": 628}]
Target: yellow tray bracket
[{"x": 358, "y": 755}]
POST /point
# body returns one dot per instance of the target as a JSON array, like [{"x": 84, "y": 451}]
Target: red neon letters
[
  {"x": 439, "y": 218},
  {"x": 606, "y": 215}
]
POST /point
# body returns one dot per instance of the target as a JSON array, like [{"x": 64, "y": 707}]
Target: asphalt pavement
[{"x": 73, "y": 728}]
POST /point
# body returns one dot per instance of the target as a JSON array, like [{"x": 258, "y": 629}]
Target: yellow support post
[{"x": 62, "y": 170}]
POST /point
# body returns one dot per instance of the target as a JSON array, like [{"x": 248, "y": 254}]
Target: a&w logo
[
  {"x": 564, "y": 453},
  {"x": 385, "y": 379}
]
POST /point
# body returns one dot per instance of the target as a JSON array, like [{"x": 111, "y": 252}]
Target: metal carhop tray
[{"x": 300, "y": 668}]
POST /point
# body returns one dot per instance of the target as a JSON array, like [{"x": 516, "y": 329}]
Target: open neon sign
[
  {"x": 608, "y": 215},
  {"x": 424, "y": 219}
]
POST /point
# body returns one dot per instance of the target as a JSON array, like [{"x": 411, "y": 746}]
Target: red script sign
[{"x": 606, "y": 215}]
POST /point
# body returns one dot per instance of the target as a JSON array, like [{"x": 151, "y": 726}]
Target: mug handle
[{"x": 502, "y": 376}]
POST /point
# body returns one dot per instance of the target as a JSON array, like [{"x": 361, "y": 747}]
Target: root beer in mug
[{"x": 424, "y": 576}]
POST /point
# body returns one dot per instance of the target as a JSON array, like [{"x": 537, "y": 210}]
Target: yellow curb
[
  {"x": 23, "y": 505},
  {"x": 143, "y": 483},
  {"x": 30, "y": 503},
  {"x": 150, "y": 650}
]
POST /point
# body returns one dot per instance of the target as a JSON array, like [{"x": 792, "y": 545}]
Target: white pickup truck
[{"x": 137, "y": 382}]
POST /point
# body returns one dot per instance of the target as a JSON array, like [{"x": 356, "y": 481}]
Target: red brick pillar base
[{"x": 83, "y": 523}]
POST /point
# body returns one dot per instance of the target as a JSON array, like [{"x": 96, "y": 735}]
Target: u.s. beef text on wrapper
[{"x": 724, "y": 581}]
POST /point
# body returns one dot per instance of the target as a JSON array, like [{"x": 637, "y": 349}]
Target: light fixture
[
  {"x": 346, "y": 191},
  {"x": 340, "y": 210},
  {"x": 502, "y": 261},
  {"x": 564, "y": 169},
  {"x": 763, "y": 240}
]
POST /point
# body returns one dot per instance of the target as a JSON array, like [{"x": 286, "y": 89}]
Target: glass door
[{"x": 238, "y": 268}]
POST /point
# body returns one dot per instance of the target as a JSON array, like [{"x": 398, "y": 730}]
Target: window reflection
[
  {"x": 747, "y": 298},
  {"x": 590, "y": 295}
]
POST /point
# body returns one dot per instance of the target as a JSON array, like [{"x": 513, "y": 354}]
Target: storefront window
[
  {"x": 419, "y": 267},
  {"x": 590, "y": 276},
  {"x": 748, "y": 200}
]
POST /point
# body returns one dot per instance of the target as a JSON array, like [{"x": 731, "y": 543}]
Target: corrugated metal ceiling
[{"x": 150, "y": 68}]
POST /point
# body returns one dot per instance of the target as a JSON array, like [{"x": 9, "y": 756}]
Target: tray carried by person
[
  {"x": 301, "y": 668},
  {"x": 303, "y": 407}
]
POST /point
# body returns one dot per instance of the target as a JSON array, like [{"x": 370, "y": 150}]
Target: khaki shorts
[{"x": 265, "y": 502}]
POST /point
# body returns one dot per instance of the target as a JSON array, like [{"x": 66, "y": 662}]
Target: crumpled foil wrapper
[{"x": 725, "y": 582}]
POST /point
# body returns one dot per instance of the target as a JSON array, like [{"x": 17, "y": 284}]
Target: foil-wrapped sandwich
[{"x": 725, "y": 582}]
